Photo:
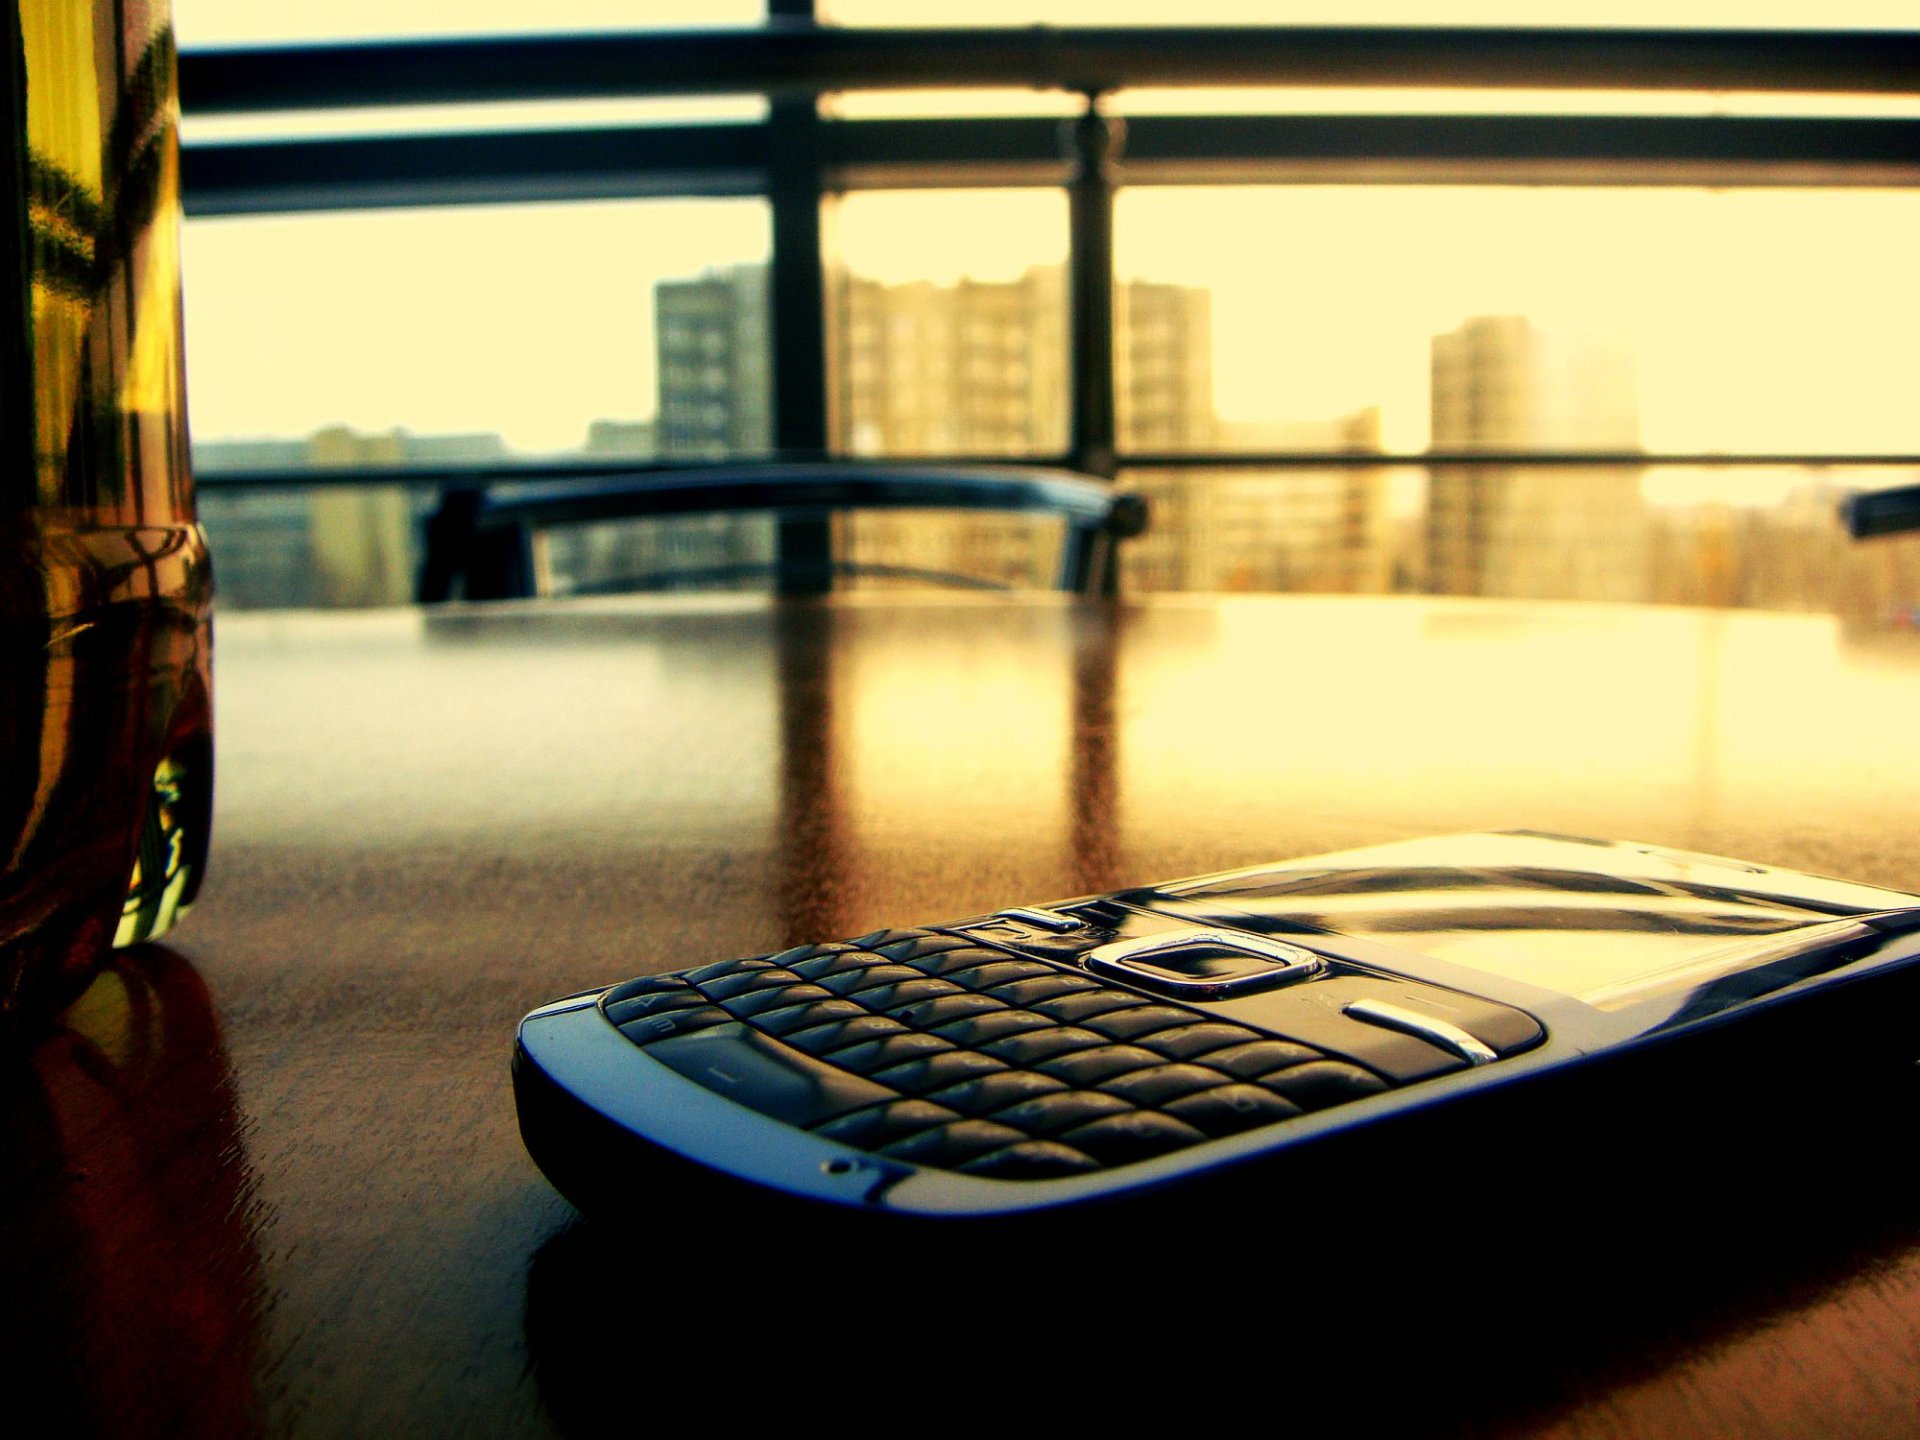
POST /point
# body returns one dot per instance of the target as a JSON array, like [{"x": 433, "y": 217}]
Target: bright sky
[
  {"x": 530, "y": 320},
  {"x": 1762, "y": 319}
]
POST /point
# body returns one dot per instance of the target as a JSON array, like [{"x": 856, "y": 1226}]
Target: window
[{"x": 464, "y": 335}]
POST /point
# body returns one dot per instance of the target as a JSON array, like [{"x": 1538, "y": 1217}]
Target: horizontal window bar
[
  {"x": 264, "y": 177},
  {"x": 1582, "y": 149},
  {"x": 299, "y": 477},
  {"x": 1489, "y": 459},
  {"x": 730, "y": 159},
  {"x": 799, "y": 58}
]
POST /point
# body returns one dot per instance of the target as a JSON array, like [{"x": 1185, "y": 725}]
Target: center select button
[
  {"x": 1204, "y": 964},
  {"x": 759, "y": 1072}
]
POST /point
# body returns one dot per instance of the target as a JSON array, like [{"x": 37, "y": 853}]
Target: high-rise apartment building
[
  {"x": 715, "y": 370},
  {"x": 974, "y": 368},
  {"x": 979, "y": 368},
  {"x": 1163, "y": 366},
  {"x": 1292, "y": 529},
  {"x": 1549, "y": 532}
]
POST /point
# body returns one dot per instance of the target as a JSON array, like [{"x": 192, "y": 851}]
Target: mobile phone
[{"x": 1161, "y": 1040}]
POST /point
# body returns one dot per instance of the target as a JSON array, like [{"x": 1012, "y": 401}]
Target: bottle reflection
[{"x": 131, "y": 1272}]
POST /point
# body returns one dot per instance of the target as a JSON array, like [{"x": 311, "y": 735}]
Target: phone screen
[{"x": 1605, "y": 934}]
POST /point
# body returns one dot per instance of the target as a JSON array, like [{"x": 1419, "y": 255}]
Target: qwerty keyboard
[{"x": 930, "y": 1048}]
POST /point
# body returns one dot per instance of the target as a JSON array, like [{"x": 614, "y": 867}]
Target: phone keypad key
[
  {"x": 889, "y": 1051},
  {"x": 1138, "y": 1021},
  {"x": 836, "y": 1034},
  {"x": 943, "y": 1010},
  {"x": 917, "y": 1077},
  {"x": 1320, "y": 1083},
  {"x": 1047, "y": 987},
  {"x": 1032, "y": 1160},
  {"x": 770, "y": 998},
  {"x": 725, "y": 987},
  {"x": 1124, "y": 1139},
  {"x": 881, "y": 1125},
  {"x": 997, "y": 1091},
  {"x": 1034, "y": 1047},
  {"x": 868, "y": 977},
  {"x": 724, "y": 970},
  {"x": 649, "y": 1028},
  {"x": 917, "y": 946},
  {"x": 1260, "y": 1057},
  {"x": 1157, "y": 1084},
  {"x": 950, "y": 1146},
  {"x": 1051, "y": 1114},
  {"x": 808, "y": 1015},
  {"x": 830, "y": 960},
  {"x": 1189, "y": 1042},
  {"x": 654, "y": 1002},
  {"x": 1089, "y": 1067},
  {"x": 1229, "y": 1109},
  {"x": 995, "y": 1023},
  {"x": 986, "y": 974},
  {"x": 1085, "y": 1005}
]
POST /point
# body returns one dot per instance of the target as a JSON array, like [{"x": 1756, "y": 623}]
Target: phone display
[{"x": 1043, "y": 1056}]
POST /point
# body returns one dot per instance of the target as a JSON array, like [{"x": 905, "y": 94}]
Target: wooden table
[{"x": 269, "y": 1180}]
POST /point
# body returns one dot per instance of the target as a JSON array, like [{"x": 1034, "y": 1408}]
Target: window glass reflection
[
  {"x": 1674, "y": 320},
  {"x": 455, "y": 337},
  {"x": 1759, "y": 537}
]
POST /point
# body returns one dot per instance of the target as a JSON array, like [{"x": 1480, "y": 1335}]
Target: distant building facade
[
  {"x": 1567, "y": 532},
  {"x": 980, "y": 369},
  {"x": 715, "y": 369},
  {"x": 327, "y": 546},
  {"x": 1293, "y": 529}
]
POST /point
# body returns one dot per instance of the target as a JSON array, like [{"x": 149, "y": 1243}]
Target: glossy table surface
[{"x": 268, "y": 1180}]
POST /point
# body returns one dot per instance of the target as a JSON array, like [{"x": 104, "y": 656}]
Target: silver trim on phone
[{"x": 1424, "y": 1027}]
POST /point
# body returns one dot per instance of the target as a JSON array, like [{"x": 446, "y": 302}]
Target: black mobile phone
[{"x": 1160, "y": 1040}]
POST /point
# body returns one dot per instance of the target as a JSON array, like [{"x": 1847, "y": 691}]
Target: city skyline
[{"x": 1761, "y": 320}]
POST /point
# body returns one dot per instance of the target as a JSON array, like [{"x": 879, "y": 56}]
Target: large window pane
[
  {"x": 950, "y": 323},
  {"x": 1517, "y": 318},
  {"x": 464, "y": 335},
  {"x": 950, "y": 340}
]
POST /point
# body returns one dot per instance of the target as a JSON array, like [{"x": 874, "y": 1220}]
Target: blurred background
[{"x": 1627, "y": 344}]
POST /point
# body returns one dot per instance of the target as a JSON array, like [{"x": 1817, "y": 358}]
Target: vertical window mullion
[{"x": 796, "y": 301}]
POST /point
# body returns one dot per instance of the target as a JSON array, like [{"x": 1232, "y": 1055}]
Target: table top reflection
[{"x": 269, "y": 1181}]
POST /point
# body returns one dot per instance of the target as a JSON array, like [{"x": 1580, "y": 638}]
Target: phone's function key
[
  {"x": 763, "y": 1074},
  {"x": 648, "y": 1030},
  {"x": 1431, "y": 1028},
  {"x": 1053, "y": 920}
]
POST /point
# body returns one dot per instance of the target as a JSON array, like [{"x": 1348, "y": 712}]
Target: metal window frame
[{"x": 799, "y": 159}]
